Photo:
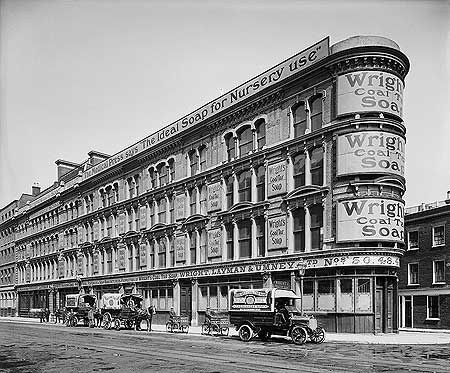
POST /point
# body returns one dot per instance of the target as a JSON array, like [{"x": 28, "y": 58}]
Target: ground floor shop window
[
  {"x": 346, "y": 295},
  {"x": 308, "y": 295},
  {"x": 161, "y": 299},
  {"x": 215, "y": 296},
  {"x": 363, "y": 295},
  {"x": 433, "y": 307},
  {"x": 326, "y": 295}
]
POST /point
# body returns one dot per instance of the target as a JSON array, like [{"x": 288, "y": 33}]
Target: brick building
[
  {"x": 302, "y": 166},
  {"x": 424, "y": 277}
]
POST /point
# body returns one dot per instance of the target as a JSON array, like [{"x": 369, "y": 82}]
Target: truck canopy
[{"x": 258, "y": 299}]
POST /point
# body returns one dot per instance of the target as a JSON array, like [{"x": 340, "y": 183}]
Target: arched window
[
  {"x": 261, "y": 183},
  {"x": 316, "y": 113},
  {"x": 245, "y": 186},
  {"x": 299, "y": 116},
  {"x": 152, "y": 177},
  {"x": 193, "y": 246},
  {"x": 316, "y": 213},
  {"x": 230, "y": 190},
  {"x": 230, "y": 241},
  {"x": 162, "y": 210},
  {"x": 163, "y": 174},
  {"x": 260, "y": 126},
  {"x": 299, "y": 169},
  {"x": 299, "y": 229},
  {"x": 260, "y": 236},
  {"x": 231, "y": 146},
  {"x": 130, "y": 183},
  {"x": 202, "y": 155},
  {"x": 193, "y": 162},
  {"x": 171, "y": 170},
  {"x": 162, "y": 252},
  {"x": 317, "y": 166},
  {"x": 245, "y": 137}
]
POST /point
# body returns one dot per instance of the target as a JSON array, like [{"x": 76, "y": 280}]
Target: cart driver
[
  {"x": 171, "y": 313},
  {"x": 281, "y": 313}
]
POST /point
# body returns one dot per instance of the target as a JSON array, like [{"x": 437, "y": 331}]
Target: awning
[{"x": 280, "y": 293}]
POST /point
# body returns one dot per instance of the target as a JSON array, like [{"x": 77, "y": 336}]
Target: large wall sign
[
  {"x": 61, "y": 267},
  {"x": 370, "y": 219},
  {"x": 370, "y": 152},
  {"x": 96, "y": 261},
  {"x": 276, "y": 181},
  {"x": 180, "y": 248},
  {"x": 214, "y": 242},
  {"x": 214, "y": 197},
  {"x": 369, "y": 90},
  {"x": 277, "y": 233},
  {"x": 180, "y": 206},
  {"x": 143, "y": 255},
  {"x": 290, "y": 67},
  {"x": 80, "y": 264},
  {"x": 121, "y": 256}
]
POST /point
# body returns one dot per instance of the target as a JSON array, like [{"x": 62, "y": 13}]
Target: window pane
[
  {"x": 433, "y": 307},
  {"x": 299, "y": 120},
  {"x": 299, "y": 170},
  {"x": 317, "y": 166},
  {"x": 438, "y": 236},
  {"x": 316, "y": 113},
  {"x": 413, "y": 239}
]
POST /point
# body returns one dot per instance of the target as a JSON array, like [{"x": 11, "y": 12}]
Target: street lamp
[{"x": 300, "y": 273}]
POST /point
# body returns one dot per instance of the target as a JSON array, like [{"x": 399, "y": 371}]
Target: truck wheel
[
  {"x": 205, "y": 329},
  {"x": 245, "y": 333},
  {"x": 318, "y": 335},
  {"x": 298, "y": 335},
  {"x": 117, "y": 324}
]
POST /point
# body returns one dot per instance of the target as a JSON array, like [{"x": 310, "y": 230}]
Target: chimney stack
[
  {"x": 35, "y": 189},
  {"x": 447, "y": 201}
]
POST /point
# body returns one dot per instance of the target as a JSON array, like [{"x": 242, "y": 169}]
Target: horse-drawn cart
[
  {"x": 267, "y": 312},
  {"x": 216, "y": 322},
  {"x": 178, "y": 324},
  {"x": 78, "y": 307},
  {"x": 122, "y": 310}
]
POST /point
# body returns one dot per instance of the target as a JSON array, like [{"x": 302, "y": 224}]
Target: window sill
[
  {"x": 413, "y": 285},
  {"x": 436, "y": 246},
  {"x": 413, "y": 249},
  {"x": 433, "y": 319},
  {"x": 438, "y": 283}
]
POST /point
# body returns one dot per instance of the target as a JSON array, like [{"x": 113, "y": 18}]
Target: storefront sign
[
  {"x": 143, "y": 255},
  {"x": 80, "y": 264},
  {"x": 276, "y": 182},
  {"x": 142, "y": 217},
  {"x": 256, "y": 266},
  {"x": 370, "y": 219},
  {"x": 96, "y": 260},
  {"x": 121, "y": 256},
  {"x": 180, "y": 248},
  {"x": 291, "y": 66},
  {"x": 370, "y": 152},
  {"x": 250, "y": 299},
  {"x": 214, "y": 197},
  {"x": 180, "y": 206},
  {"x": 214, "y": 243},
  {"x": 369, "y": 90},
  {"x": 277, "y": 233}
]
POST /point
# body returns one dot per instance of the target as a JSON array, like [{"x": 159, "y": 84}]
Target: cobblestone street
[{"x": 32, "y": 348}]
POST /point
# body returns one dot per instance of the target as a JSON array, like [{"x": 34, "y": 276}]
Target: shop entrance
[
  {"x": 406, "y": 311},
  {"x": 384, "y": 305},
  {"x": 186, "y": 300}
]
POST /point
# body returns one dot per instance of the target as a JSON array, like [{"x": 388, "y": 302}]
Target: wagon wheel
[
  {"x": 68, "y": 321},
  {"x": 184, "y": 328},
  {"x": 206, "y": 329},
  {"x": 85, "y": 321},
  {"x": 298, "y": 335},
  {"x": 264, "y": 335},
  {"x": 224, "y": 330},
  {"x": 106, "y": 321},
  {"x": 245, "y": 333},
  {"x": 169, "y": 327},
  {"x": 318, "y": 335},
  {"x": 74, "y": 321},
  {"x": 215, "y": 328},
  {"x": 116, "y": 324},
  {"x": 140, "y": 323},
  {"x": 128, "y": 324}
]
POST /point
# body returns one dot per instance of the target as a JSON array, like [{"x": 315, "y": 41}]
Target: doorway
[{"x": 186, "y": 300}]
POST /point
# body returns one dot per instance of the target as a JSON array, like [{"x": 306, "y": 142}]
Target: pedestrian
[
  {"x": 47, "y": 315},
  {"x": 91, "y": 317},
  {"x": 150, "y": 312},
  {"x": 41, "y": 315}
]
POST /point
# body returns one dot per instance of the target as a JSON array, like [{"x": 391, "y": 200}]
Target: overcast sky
[{"x": 103, "y": 74}]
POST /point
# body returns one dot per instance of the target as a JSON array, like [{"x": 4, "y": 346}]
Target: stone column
[
  {"x": 224, "y": 243},
  {"x": 290, "y": 173},
  {"x": 235, "y": 189},
  {"x": 254, "y": 251},
  {"x": 197, "y": 246},
  {"x": 197, "y": 199},
  {"x": 325, "y": 164},
  {"x": 156, "y": 211},
  {"x": 176, "y": 297},
  {"x": 307, "y": 229},
  {"x": 307, "y": 168},
  {"x": 235, "y": 241},
  {"x": 114, "y": 259},
  {"x": 290, "y": 232},
  {"x": 194, "y": 321},
  {"x": 168, "y": 221},
  {"x": 224, "y": 194},
  {"x": 168, "y": 264},
  {"x": 254, "y": 194},
  {"x": 187, "y": 244}
]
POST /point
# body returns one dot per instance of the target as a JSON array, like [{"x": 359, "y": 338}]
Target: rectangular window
[
  {"x": 308, "y": 295},
  {"x": 213, "y": 298},
  {"x": 162, "y": 210},
  {"x": 245, "y": 186},
  {"x": 317, "y": 166},
  {"x": 438, "y": 271},
  {"x": 346, "y": 296},
  {"x": 163, "y": 175},
  {"x": 299, "y": 229},
  {"x": 193, "y": 162},
  {"x": 203, "y": 298},
  {"x": 260, "y": 236},
  {"x": 231, "y": 147},
  {"x": 162, "y": 253},
  {"x": 316, "y": 227},
  {"x": 299, "y": 116},
  {"x": 162, "y": 300},
  {"x": 245, "y": 142},
  {"x": 363, "y": 295},
  {"x": 438, "y": 236},
  {"x": 230, "y": 198},
  {"x": 261, "y": 183},
  {"x": 230, "y": 246},
  {"x": 193, "y": 201},
  {"x": 193, "y": 246},
  {"x": 245, "y": 240},
  {"x": 413, "y": 240},
  {"x": 413, "y": 273},
  {"x": 109, "y": 266},
  {"x": 326, "y": 295},
  {"x": 299, "y": 170},
  {"x": 172, "y": 209},
  {"x": 433, "y": 307}
]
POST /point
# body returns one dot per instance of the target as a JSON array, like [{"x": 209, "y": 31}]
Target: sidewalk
[{"x": 404, "y": 337}]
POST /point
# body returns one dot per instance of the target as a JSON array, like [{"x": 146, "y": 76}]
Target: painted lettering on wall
[
  {"x": 180, "y": 206},
  {"x": 180, "y": 248},
  {"x": 277, "y": 232},
  {"x": 121, "y": 252},
  {"x": 363, "y": 91},
  {"x": 214, "y": 242},
  {"x": 291, "y": 66},
  {"x": 370, "y": 219},
  {"x": 276, "y": 181},
  {"x": 370, "y": 152},
  {"x": 143, "y": 255},
  {"x": 214, "y": 197}
]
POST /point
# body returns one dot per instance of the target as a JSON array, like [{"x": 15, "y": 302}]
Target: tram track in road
[{"x": 214, "y": 354}]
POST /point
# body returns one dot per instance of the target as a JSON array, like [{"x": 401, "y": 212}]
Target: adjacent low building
[
  {"x": 424, "y": 277},
  {"x": 294, "y": 179}
]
